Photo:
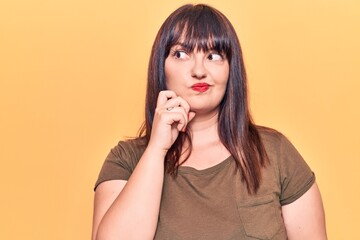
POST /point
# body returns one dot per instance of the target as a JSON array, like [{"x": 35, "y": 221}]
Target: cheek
[
  {"x": 173, "y": 74},
  {"x": 169, "y": 70},
  {"x": 169, "y": 77},
  {"x": 168, "y": 73},
  {"x": 222, "y": 76},
  {"x": 226, "y": 75},
  {"x": 222, "y": 80}
]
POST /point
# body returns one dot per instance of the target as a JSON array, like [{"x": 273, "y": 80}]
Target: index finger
[{"x": 164, "y": 96}]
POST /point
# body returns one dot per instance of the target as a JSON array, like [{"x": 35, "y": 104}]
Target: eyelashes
[
  {"x": 183, "y": 54},
  {"x": 180, "y": 54},
  {"x": 215, "y": 56}
]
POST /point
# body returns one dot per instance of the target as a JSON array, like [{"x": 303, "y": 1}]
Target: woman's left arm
[{"x": 305, "y": 218}]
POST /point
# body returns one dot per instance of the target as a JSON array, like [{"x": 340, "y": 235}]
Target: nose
[{"x": 198, "y": 70}]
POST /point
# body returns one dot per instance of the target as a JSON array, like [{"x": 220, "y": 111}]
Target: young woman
[{"x": 201, "y": 169}]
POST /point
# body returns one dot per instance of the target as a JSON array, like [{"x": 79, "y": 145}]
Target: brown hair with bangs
[{"x": 205, "y": 28}]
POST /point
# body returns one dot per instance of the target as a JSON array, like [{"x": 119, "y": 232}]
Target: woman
[{"x": 201, "y": 169}]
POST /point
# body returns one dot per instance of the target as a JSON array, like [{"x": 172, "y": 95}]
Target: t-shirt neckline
[{"x": 215, "y": 168}]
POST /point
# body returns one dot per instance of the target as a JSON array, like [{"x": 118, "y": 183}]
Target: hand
[{"x": 172, "y": 114}]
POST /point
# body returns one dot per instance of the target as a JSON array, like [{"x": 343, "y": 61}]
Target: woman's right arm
[{"x": 129, "y": 210}]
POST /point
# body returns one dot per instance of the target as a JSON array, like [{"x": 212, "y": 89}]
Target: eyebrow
[{"x": 184, "y": 46}]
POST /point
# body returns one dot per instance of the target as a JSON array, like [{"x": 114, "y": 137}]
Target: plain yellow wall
[{"x": 72, "y": 82}]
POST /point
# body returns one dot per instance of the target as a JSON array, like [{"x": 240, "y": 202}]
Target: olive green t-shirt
[{"x": 213, "y": 203}]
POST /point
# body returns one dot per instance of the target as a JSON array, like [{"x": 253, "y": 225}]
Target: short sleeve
[
  {"x": 296, "y": 176},
  {"x": 120, "y": 162}
]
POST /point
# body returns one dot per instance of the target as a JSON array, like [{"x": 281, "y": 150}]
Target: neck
[
  {"x": 204, "y": 129},
  {"x": 204, "y": 123},
  {"x": 207, "y": 148}
]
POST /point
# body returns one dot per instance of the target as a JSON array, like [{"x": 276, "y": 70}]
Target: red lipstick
[{"x": 200, "y": 87}]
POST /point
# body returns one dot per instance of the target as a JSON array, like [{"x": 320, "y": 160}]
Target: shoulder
[
  {"x": 127, "y": 153},
  {"x": 130, "y": 148},
  {"x": 275, "y": 141},
  {"x": 278, "y": 146},
  {"x": 121, "y": 160},
  {"x": 271, "y": 138},
  {"x": 294, "y": 175},
  {"x": 281, "y": 151}
]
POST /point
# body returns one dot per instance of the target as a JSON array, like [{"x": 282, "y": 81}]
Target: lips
[{"x": 200, "y": 87}]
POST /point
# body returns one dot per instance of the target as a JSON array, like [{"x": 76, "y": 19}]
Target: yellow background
[{"x": 72, "y": 82}]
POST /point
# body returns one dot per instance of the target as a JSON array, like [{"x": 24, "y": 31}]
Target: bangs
[{"x": 201, "y": 29}]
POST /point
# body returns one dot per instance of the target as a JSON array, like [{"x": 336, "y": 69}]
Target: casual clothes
[{"x": 213, "y": 203}]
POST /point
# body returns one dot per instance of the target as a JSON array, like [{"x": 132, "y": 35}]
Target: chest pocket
[{"x": 262, "y": 219}]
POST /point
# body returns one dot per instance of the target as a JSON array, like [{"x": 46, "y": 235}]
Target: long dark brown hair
[{"x": 206, "y": 28}]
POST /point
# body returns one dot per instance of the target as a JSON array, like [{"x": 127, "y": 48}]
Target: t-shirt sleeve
[
  {"x": 119, "y": 163},
  {"x": 295, "y": 175}
]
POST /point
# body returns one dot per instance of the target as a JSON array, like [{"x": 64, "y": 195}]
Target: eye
[
  {"x": 180, "y": 54},
  {"x": 215, "y": 57}
]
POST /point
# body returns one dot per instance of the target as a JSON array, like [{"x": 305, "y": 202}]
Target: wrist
[{"x": 155, "y": 152}]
